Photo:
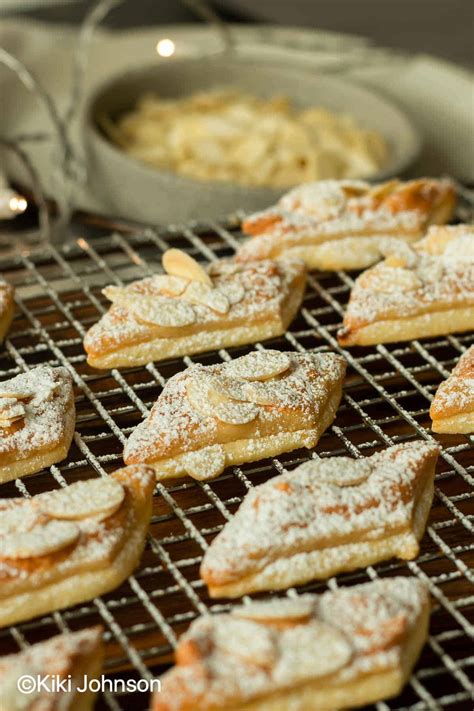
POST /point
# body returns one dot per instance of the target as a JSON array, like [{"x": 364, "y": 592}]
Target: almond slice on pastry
[
  {"x": 332, "y": 224},
  {"x": 429, "y": 294},
  {"x": 352, "y": 647},
  {"x": 182, "y": 312},
  {"x": 7, "y": 307},
  {"x": 452, "y": 409},
  {"x": 314, "y": 522},
  {"x": 71, "y": 545},
  {"x": 209, "y": 417},
  {"x": 37, "y": 419},
  {"x": 72, "y": 659}
]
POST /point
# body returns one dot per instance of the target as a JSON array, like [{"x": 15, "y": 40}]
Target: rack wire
[{"x": 386, "y": 400}]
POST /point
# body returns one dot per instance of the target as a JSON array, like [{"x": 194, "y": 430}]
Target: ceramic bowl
[{"x": 132, "y": 189}]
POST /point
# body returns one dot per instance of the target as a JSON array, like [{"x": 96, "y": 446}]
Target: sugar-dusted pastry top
[
  {"x": 65, "y": 655},
  {"x": 328, "y": 209},
  {"x": 456, "y": 394},
  {"x": 264, "y": 392},
  {"x": 189, "y": 298},
  {"x": 62, "y": 532},
  {"x": 35, "y": 408},
  {"x": 436, "y": 274},
  {"x": 321, "y": 504},
  {"x": 265, "y": 647}
]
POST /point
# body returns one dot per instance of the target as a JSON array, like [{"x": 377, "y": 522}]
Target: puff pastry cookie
[
  {"x": 334, "y": 224},
  {"x": 325, "y": 517},
  {"x": 452, "y": 409},
  {"x": 418, "y": 292},
  {"x": 345, "y": 648},
  {"x": 257, "y": 406},
  {"x": 68, "y": 659},
  {"x": 37, "y": 419},
  {"x": 66, "y": 546},
  {"x": 7, "y": 307},
  {"x": 190, "y": 309}
]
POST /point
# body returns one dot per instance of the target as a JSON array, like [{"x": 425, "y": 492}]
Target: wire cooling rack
[{"x": 386, "y": 400}]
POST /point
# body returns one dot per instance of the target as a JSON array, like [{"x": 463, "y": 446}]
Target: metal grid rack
[{"x": 386, "y": 400}]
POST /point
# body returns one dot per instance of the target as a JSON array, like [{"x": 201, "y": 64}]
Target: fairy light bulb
[
  {"x": 11, "y": 204},
  {"x": 165, "y": 47}
]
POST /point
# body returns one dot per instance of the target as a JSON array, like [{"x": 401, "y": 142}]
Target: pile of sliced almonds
[
  {"x": 12, "y": 407},
  {"x": 51, "y": 521},
  {"x": 185, "y": 284},
  {"x": 234, "y": 395}
]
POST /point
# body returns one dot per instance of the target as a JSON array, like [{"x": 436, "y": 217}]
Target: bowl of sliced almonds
[{"x": 201, "y": 138}]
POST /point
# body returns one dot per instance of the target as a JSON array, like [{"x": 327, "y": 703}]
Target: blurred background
[{"x": 441, "y": 27}]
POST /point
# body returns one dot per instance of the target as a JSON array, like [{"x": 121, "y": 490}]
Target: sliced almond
[
  {"x": 233, "y": 290},
  {"x": 313, "y": 650},
  {"x": 236, "y": 413},
  {"x": 15, "y": 394},
  {"x": 389, "y": 280},
  {"x": 157, "y": 310},
  {"x": 169, "y": 285},
  {"x": 99, "y": 498},
  {"x": 199, "y": 293},
  {"x": 10, "y": 408},
  {"x": 338, "y": 471},
  {"x": 260, "y": 365},
  {"x": 245, "y": 640},
  {"x": 206, "y": 463},
  {"x": 180, "y": 264},
  {"x": 17, "y": 518},
  {"x": 281, "y": 610},
  {"x": 265, "y": 393},
  {"x": 395, "y": 261},
  {"x": 42, "y": 539}
]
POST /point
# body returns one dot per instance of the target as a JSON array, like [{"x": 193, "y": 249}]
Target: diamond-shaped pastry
[
  {"x": 66, "y": 546},
  {"x": 192, "y": 309},
  {"x": 332, "y": 224},
  {"x": 351, "y": 647},
  {"x": 418, "y": 292},
  {"x": 7, "y": 306},
  {"x": 257, "y": 406},
  {"x": 452, "y": 409},
  {"x": 37, "y": 419},
  {"x": 63, "y": 663},
  {"x": 325, "y": 517}
]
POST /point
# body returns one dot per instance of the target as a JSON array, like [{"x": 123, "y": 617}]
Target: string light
[
  {"x": 165, "y": 48},
  {"x": 11, "y": 204}
]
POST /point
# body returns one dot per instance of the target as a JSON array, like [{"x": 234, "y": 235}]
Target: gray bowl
[{"x": 135, "y": 190}]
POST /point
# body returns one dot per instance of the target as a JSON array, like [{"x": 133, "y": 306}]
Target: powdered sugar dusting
[
  {"x": 46, "y": 413},
  {"x": 254, "y": 291},
  {"x": 179, "y": 423},
  {"x": 456, "y": 394},
  {"x": 316, "y": 212},
  {"x": 350, "y": 632},
  {"x": 425, "y": 282},
  {"x": 307, "y": 509},
  {"x": 61, "y": 655}
]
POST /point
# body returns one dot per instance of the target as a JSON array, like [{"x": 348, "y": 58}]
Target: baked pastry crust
[
  {"x": 345, "y": 648},
  {"x": 7, "y": 307},
  {"x": 67, "y": 546},
  {"x": 452, "y": 409},
  {"x": 333, "y": 225},
  {"x": 37, "y": 419},
  {"x": 257, "y": 406},
  {"x": 191, "y": 310},
  {"x": 68, "y": 658},
  {"x": 325, "y": 517},
  {"x": 418, "y": 292}
]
